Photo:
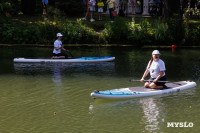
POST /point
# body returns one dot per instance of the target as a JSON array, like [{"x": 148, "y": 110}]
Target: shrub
[
  {"x": 176, "y": 30},
  {"x": 193, "y": 34},
  {"x": 116, "y": 32},
  {"x": 78, "y": 33},
  {"x": 141, "y": 33},
  {"x": 160, "y": 32}
]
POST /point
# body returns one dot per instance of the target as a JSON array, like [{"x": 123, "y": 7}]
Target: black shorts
[
  {"x": 161, "y": 79},
  {"x": 61, "y": 54}
]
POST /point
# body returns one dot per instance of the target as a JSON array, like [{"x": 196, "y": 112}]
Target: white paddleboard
[
  {"x": 132, "y": 92},
  {"x": 70, "y": 60}
]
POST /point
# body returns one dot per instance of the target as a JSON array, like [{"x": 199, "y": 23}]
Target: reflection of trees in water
[
  {"x": 184, "y": 64},
  {"x": 66, "y": 69},
  {"x": 131, "y": 62}
]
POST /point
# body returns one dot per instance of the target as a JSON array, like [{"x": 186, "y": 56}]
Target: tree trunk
[
  {"x": 181, "y": 10},
  {"x": 165, "y": 12}
]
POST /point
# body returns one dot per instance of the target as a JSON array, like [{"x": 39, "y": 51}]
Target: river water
[{"x": 55, "y": 97}]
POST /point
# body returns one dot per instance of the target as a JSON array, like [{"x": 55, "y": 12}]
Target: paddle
[
  {"x": 150, "y": 81},
  {"x": 70, "y": 54},
  {"x": 132, "y": 80}
]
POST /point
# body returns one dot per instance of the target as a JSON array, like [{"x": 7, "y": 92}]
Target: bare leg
[
  {"x": 58, "y": 57},
  {"x": 91, "y": 14},
  {"x": 154, "y": 86},
  {"x": 87, "y": 12},
  {"x": 147, "y": 84}
]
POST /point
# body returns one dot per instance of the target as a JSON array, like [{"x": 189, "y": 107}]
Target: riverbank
[
  {"x": 94, "y": 45},
  {"x": 124, "y": 31}
]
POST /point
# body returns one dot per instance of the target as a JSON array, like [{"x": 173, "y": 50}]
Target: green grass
[{"x": 97, "y": 25}]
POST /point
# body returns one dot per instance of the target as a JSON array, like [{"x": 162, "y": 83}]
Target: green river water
[{"x": 55, "y": 97}]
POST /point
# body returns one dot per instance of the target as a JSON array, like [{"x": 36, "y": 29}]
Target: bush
[
  {"x": 78, "y": 33},
  {"x": 160, "y": 32},
  {"x": 48, "y": 33},
  {"x": 116, "y": 32},
  {"x": 121, "y": 31},
  {"x": 193, "y": 34},
  {"x": 19, "y": 34},
  {"x": 25, "y": 33},
  {"x": 141, "y": 33},
  {"x": 176, "y": 30}
]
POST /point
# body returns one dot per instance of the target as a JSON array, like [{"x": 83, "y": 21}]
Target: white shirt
[
  {"x": 93, "y": 2},
  {"x": 57, "y": 44},
  {"x": 156, "y": 68}
]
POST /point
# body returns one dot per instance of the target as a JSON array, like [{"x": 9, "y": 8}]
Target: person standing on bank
[
  {"x": 157, "y": 69},
  {"x": 58, "y": 47},
  {"x": 111, "y": 6},
  {"x": 100, "y": 5},
  {"x": 87, "y": 11},
  {"x": 44, "y": 4},
  {"x": 92, "y": 9}
]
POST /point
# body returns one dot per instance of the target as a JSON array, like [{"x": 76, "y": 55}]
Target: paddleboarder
[
  {"x": 157, "y": 69},
  {"x": 58, "y": 46}
]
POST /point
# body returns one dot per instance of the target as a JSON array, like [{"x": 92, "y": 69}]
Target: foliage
[
  {"x": 9, "y": 7},
  {"x": 18, "y": 33},
  {"x": 75, "y": 33},
  {"x": 25, "y": 33},
  {"x": 192, "y": 12},
  {"x": 141, "y": 33},
  {"x": 160, "y": 32},
  {"x": 193, "y": 34},
  {"x": 55, "y": 13},
  {"x": 117, "y": 31},
  {"x": 122, "y": 31},
  {"x": 176, "y": 30}
]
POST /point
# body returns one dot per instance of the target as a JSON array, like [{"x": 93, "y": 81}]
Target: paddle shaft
[
  {"x": 157, "y": 81},
  {"x": 151, "y": 81},
  {"x": 71, "y": 54}
]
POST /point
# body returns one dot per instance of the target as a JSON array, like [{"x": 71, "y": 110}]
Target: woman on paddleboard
[
  {"x": 58, "y": 47},
  {"x": 157, "y": 69}
]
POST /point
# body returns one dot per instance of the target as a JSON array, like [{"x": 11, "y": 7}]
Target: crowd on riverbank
[{"x": 91, "y": 5}]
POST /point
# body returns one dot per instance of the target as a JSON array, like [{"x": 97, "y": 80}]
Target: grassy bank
[{"x": 128, "y": 31}]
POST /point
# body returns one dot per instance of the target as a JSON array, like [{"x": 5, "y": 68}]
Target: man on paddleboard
[
  {"x": 58, "y": 47},
  {"x": 157, "y": 69}
]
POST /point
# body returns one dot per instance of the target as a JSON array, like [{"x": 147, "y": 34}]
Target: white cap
[
  {"x": 59, "y": 34},
  {"x": 155, "y": 52}
]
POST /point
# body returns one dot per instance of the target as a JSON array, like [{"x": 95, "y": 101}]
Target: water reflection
[
  {"x": 151, "y": 114},
  {"x": 64, "y": 68},
  {"x": 57, "y": 77},
  {"x": 146, "y": 111},
  {"x": 58, "y": 87}
]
